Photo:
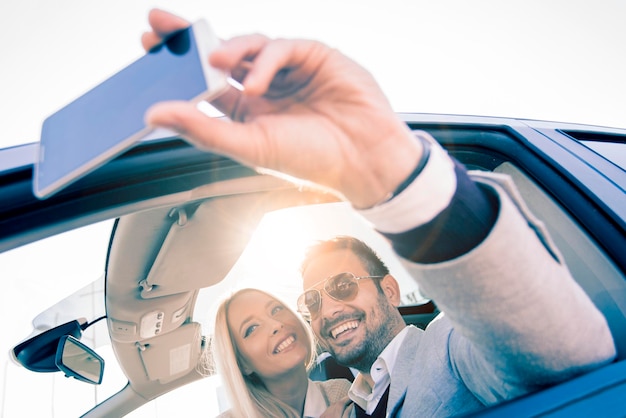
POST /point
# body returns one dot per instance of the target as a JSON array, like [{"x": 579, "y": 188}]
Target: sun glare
[{"x": 273, "y": 256}]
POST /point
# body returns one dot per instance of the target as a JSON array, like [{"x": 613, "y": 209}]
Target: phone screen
[{"x": 109, "y": 119}]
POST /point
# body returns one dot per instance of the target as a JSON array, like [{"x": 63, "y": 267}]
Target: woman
[{"x": 263, "y": 351}]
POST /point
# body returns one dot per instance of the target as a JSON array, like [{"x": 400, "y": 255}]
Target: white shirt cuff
[{"x": 422, "y": 200}]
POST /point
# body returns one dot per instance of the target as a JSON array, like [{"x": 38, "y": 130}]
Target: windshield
[{"x": 45, "y": 284}]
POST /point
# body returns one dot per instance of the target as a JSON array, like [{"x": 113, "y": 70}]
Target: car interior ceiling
[{"x": 157, "y": 262}]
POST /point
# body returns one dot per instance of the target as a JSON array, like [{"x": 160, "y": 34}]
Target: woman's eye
[
  {"x": 277, "y": 309},
  {"x": 249, "y": 330}
]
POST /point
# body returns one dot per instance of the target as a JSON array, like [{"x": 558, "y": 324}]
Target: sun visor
[
  {"x": 172, "y": 355},
  {"x": 202, "y": 246}
]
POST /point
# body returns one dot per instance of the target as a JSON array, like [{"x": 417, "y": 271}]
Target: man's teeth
[
  {"x": 343, "y": 327},
  {"x": 284, "y": 344}
]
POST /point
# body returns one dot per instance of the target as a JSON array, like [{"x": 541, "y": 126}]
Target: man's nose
[{"x": 330, "y": 307}]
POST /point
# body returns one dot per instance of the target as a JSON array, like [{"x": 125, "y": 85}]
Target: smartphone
[{"x": 109, "y": 119}]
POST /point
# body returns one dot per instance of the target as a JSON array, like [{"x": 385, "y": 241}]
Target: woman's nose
[{"x": 276, "y": 327}]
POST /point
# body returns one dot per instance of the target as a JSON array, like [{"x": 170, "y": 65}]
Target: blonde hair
[{"x": 247, "y": 393}]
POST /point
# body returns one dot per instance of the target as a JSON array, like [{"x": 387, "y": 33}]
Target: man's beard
[{"x": 362, "y": 355}]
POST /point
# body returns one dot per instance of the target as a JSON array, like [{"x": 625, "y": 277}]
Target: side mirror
[{"x": 77, "y": 360}]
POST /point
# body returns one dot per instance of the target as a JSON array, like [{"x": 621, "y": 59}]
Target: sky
[{"x": 559, "y": 60}]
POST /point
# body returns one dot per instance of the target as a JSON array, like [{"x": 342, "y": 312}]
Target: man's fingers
[
  {"x": 163, "y": 23},
  {"x": 149, "y": 40},
  {"x": 282, "y": 54},
  {"x": 228, "y": 103},
  {"x": 238, "y": 55},
  {"x": 269, "y": 61},
  {"x": 232, "y": 52},
  {"x": 211, "y": 134}
]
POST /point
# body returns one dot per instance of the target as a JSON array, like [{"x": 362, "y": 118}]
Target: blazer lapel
[{"x": 402, "y": 370}]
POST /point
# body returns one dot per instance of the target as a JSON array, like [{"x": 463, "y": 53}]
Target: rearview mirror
[
  {"x": 38, "y": 352},
  {"x": 77, "y": 360}
]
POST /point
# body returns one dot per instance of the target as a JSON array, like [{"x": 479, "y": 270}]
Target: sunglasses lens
[
  {"x": 309, "y": 303},
  {"x": 343, "y": 286}
]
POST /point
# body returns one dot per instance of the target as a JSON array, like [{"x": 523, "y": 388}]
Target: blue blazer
[{"x": 514, "y": 321}]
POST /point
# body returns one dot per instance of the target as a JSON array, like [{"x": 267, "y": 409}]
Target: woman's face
[{"x": 269, "y": 337}]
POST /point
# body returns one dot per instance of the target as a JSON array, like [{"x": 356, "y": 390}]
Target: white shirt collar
[{"x": 361, "y": 392}]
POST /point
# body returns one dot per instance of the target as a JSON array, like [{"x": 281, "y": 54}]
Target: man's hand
[{"x": 305, "y": 110}]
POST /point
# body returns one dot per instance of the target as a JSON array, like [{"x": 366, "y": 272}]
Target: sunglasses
[{"x": 341, "y": 287}]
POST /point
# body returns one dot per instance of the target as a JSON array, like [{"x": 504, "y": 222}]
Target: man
[
  {"x": 513, "y": 315},
  {"x": 514, "y": 319}
]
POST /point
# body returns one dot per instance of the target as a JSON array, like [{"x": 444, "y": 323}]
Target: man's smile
[{"x": 341, "y": 328}]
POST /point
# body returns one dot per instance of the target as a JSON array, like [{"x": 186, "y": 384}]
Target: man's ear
[{"x": 391, "y": 288}]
